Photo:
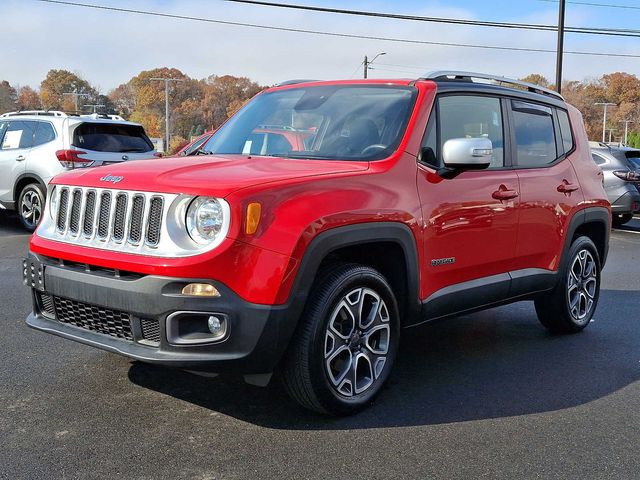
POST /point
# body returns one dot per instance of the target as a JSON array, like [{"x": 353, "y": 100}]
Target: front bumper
[{"x": 255, "y": 342}]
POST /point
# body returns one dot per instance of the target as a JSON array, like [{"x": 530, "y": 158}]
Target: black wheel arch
[{"x": 592, "y": 222}]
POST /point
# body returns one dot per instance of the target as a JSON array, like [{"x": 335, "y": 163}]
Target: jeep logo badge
[{"x": 112, "y": 178}]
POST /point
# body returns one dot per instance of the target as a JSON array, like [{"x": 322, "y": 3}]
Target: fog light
[
  {"x": 214, "y": 324},
  {"x": 200, "y": 290}
]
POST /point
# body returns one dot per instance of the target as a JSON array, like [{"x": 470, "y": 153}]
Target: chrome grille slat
[
  {"x": 104, "y": 215},
  {"x": 156, "y": 207},
  {"x": 63, "y": 205},
  {"x": 135, "y": 219},
  {"x": 76, "y": 206},
  {"x": 119, "y": 217}
]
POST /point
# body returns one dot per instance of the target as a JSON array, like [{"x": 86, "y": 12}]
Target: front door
[
  {"x": 16, "y": 138},
  {"x": 470, "y": 221}
]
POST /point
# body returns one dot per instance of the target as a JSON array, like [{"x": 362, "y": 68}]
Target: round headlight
[
  {"x": 53, "y": 203},
  {"x": 205, "y": 220}
]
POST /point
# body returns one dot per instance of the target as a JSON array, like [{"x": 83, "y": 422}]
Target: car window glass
[
  {"x": 429, "y": 151},
  {"x": 565, "y": 130},
  {"x": 598, "y": 159},
  {"x": 111, "y": 137},
  {"x": 44, "y": 133},
  {"x": 468, "y": 116},
  {"x": 535, "y": 136},
  {"x": 3, "y": 128},
  {"x": 19, "y": 134}
]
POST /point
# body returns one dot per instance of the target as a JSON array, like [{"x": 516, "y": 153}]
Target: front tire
[
  {"x": 346, "y": 342},
  {"x": 571, "y": 304},
  {"x": 31, "y": 206}
]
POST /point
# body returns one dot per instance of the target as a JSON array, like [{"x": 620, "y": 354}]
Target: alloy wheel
[
  {"x": 582, "y": 286},
  {"x": 31, "y": 208},
  {"x": 356, "y": 343}
]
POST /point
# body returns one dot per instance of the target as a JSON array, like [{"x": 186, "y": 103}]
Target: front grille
[
  {"x": 150, "y": 330},
  {"x": 91, "y": 317},
  {"x": 110, "y": 218},
  {"x": 46, "y": 305}
]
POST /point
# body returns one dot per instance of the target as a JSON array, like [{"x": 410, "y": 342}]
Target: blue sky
[{"x": 108, "y": 48}]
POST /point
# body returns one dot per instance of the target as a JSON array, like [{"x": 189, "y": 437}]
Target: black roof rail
[{"x": 444, "y": 75}]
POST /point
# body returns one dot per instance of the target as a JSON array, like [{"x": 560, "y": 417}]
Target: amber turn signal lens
[
  {"x": 253, "y": 218},
  {"x": 200, "y": 290}
]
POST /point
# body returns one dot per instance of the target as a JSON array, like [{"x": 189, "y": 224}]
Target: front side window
[
  {"x": 333, "y": 122},
  {"x": 18, "y": 135},
  {"x": 111, "y": 137},
  {"x": 535, "y": 135},
  {"x": 468, "y": 116}
]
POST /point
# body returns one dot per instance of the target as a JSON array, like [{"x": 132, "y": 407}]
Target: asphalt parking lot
[{"x": 488, "y": 395}]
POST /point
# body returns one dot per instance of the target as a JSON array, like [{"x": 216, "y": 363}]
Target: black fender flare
[
  {"x": 331, "y": 240},
  {"x": 587, "y": 215}
]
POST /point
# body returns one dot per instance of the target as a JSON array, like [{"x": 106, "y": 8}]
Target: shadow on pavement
[
  {"x": 492, "y": 364},
  {"x": 10, "y": 224}
]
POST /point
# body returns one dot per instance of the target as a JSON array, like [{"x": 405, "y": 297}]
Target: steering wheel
[{"x": 372, "y": 148}]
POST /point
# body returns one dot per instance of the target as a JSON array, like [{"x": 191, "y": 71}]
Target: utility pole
[
  {"x": 166, "y": 105},
  {"x": 95, "y": 106},
  {"x": 611, "y": 130},
  {"x": 604, "y": 120},
  {"x": 560, "y": 51},
  {"x": 76, "y": 95},
  {"x": 367, "y": 63},
  {"x": 626, "y": 129}
]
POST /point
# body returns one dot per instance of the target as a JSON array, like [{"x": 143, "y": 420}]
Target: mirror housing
[{"x": 467, "y": 153}]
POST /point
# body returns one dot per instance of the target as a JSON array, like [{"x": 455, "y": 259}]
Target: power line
[
  {"x": 593, "y": 4},
  {"x": 332, "y": 34},
  {"x": 619, "y": 32}
]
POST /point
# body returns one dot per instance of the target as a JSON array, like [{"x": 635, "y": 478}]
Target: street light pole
[
  {"x": 367, "y": 63},
  {"x": 560, "y": 51},
  {"x": 76, "y": 95},
  {"x": 626, "y": 129},
  {"x": 604, "y": 120},
  {"x": 166, "y": 81}
]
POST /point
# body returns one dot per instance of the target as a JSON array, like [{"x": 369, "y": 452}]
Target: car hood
[{"x": 202, "y": 175}]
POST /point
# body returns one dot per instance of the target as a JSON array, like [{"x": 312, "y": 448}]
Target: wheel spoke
[
  {"x": 339, "y": 364},
  {"x": 377, "y": 339},
  {"x": 362, "y": 371},
  {"x": 343, "y": 321}
]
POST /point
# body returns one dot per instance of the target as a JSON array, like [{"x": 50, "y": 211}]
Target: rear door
[
  {"x": 111, "y": 142},
  {"x": 549, "y": 187},
  {"x": 16, "y": 138}
]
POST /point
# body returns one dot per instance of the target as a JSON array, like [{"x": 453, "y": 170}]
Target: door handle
[
  {"x": 20, "y": 158},
  {"x": 503, "y": 193},
  {"x": 566, "y": 187}
]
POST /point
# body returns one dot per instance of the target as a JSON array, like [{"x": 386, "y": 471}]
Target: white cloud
[{"x": 109, "y": 48}]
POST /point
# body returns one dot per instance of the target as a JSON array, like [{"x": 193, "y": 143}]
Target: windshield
[
  {"x": 106, "y": 137},
  {"x": 326, "y": 122}
]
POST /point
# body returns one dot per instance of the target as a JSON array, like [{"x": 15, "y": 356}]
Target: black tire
[
  {"x": 31, "y": 206},
  {"x": 317, "y": 358},
  {"x": 579, "y": 278},
  {"x": 620, "y": 219}
]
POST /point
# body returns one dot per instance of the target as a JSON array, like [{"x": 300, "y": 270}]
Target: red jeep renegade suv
[{"x": 412, "y": 200}]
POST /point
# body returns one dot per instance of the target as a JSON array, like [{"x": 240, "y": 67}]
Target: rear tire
[
  {"x": 569, "y": 307},
  {"x": 31, "y": 206},
  {"x": 620, "y": 219},
  {"x": 346, "y": 341}
]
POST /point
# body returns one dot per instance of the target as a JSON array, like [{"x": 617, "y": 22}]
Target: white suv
[{"x": 37, "y": 145}]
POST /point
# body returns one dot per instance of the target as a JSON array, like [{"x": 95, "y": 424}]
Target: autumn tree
[
  {"x": 8, "y": 97},
  {"x": 536, "y": 79},
  {"x": 59, "y": 82},
  {"x": 28, "y": 99}
]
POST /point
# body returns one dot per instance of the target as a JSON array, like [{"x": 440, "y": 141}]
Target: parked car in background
[
  {"x": 37, "y": 145},
  {"x": 621, "y": 168},
  {"x": 193, "y": 147}
]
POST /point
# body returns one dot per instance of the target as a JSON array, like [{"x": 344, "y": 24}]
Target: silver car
[
  {"x": 621, "y": 168},
  {"x": 37, "y": 145}
]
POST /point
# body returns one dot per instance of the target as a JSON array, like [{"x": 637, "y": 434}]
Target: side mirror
[{"x": 467, "y": 153}]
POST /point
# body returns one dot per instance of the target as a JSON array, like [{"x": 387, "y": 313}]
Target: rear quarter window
[{"x": 105, "y": 137}]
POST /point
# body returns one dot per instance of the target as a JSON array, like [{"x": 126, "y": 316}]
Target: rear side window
[
  {"x": 18, "y": 135},
  {"x": 44, "y": 133},
  {"x": 634, "y": 158},
  {"x": 535, "y": 135},
  {"x": 598, "y": 159},
  {"x": 105, "y": 137},
  {"x": 565, "y": 130}
]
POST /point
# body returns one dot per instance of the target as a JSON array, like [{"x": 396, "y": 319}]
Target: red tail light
[
  {"x": 628, "y": 175},
  {"x": 71, "y": 159},
  {"x": 158, "y": 154}
]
